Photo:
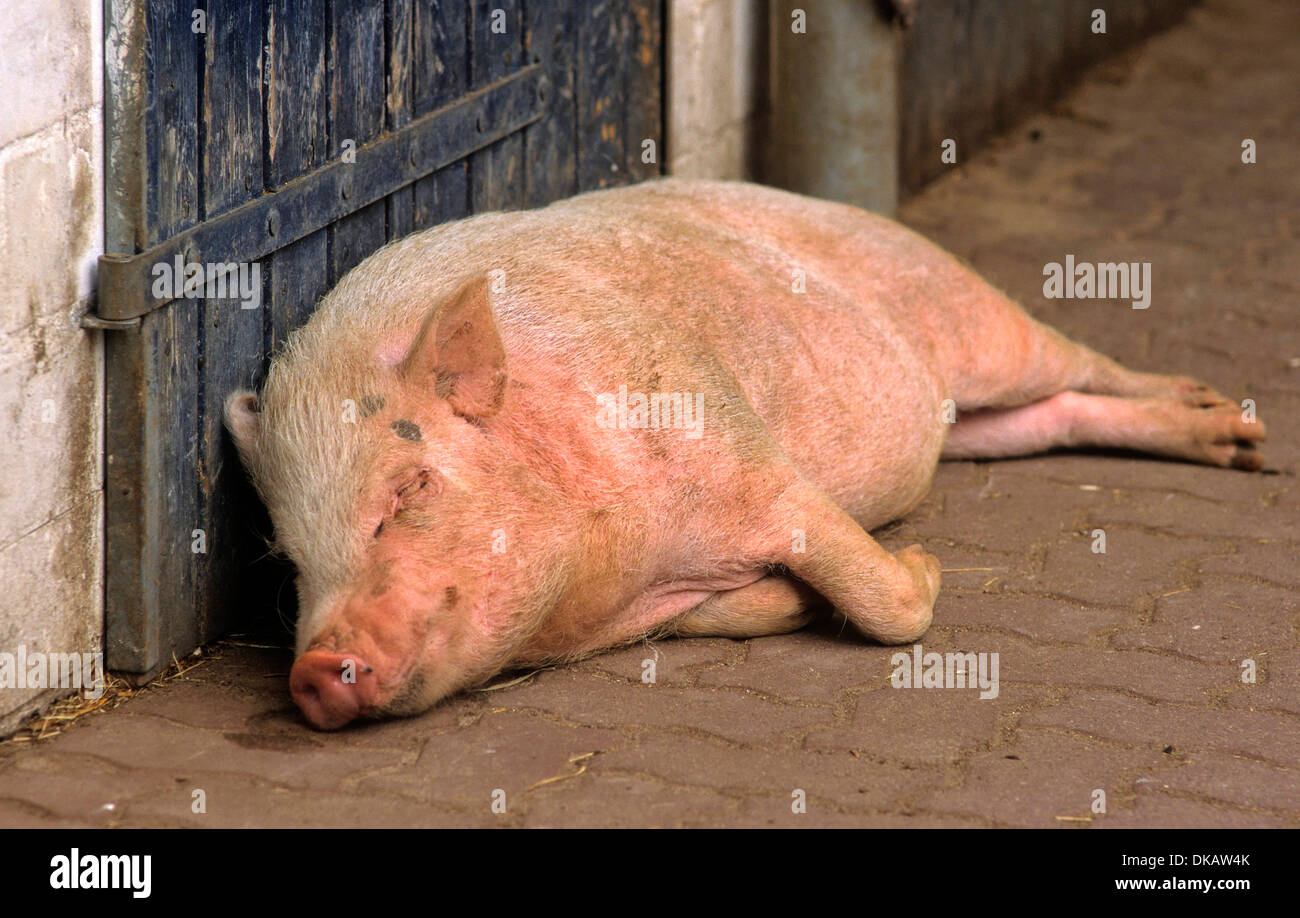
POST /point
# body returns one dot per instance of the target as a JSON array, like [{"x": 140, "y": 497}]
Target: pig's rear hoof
[{"x": 331, "y": 689}]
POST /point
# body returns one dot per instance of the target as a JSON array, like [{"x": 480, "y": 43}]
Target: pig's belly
[{"x": 856, "y": 406}]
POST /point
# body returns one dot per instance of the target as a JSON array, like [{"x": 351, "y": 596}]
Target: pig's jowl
[{"x": 674, "y": 408}]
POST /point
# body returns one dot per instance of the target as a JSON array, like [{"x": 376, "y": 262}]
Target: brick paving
[{"x": 1119, "y": 672}]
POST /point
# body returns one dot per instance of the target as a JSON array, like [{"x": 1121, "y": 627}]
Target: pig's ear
[
  {"x": 460, "y": 349},
  {"x": 244, "y": 421}
]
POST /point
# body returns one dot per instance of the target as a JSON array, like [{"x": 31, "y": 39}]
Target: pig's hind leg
[
  {"x": 1052, "y": 392},
  {"x": 1020, "y": 360},
  {"x": 1215, "y": 434}
]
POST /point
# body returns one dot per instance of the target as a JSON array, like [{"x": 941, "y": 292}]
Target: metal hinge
[{"x": 313, "y": 201}]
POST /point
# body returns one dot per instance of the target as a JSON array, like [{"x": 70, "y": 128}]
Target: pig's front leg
[
  {"x": 888, "y": 597},
  {"x": 772, "y": 605}
]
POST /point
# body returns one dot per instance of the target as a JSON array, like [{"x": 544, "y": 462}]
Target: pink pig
[{"x": 673, "y": 408}]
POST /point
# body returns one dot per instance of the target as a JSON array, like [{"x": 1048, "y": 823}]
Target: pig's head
[{"x": 394, "y": 486}]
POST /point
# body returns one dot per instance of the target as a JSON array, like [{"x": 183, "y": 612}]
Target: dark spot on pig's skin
[
  {"x": 406, "y": 430},
  {"x": 380, "y": 588},
  {"x": 450, "y": 597},
  {"x": 370, "y": 404}
]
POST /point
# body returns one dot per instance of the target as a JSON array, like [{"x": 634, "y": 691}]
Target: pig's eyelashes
[
  {"x": 410, "y": 488},
  {"x": 423, "y": 479},
  {"x": 405, "y": 493}
]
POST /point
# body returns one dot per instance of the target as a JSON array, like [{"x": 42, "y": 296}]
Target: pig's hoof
[
  {"x": 924, "y": 568},
  {"x": 1224, "y": 435},
  {"x": 915, "y": 606}
]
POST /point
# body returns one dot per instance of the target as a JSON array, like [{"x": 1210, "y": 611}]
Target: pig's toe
[
  {"x": 331, "y": 689},
  {"x": 1246, "y": 456},
  {"x": 915, "y": 602},
  {"x": 1227, "y": 438},
  {"x": 924, "y": 568}
]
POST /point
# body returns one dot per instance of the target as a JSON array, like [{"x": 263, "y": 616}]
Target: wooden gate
[{"x": 298, "y": 136}]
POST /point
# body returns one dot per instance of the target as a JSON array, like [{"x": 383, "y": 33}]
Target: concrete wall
[
  {"x": 831, "y": 129},
  {"x": 51, "y": 371},
  {"x": 970, "y": 70},
  {"x": 716, "y": 78},
  {"x": 855, "y": 106},
  {"x": 811, "y": 107}
]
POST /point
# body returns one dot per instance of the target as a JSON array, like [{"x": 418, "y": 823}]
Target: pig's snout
[{"x": 332, "y": 689}]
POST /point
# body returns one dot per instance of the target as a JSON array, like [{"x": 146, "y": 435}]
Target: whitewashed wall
[{"x": 51, "y": 371}]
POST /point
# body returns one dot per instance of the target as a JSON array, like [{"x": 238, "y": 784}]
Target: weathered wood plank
[
  {"x": 229, "y": 335},
  {"x": 295, "y": 89},
  {"x": 497, "y": 173},
  {"x": 357, "y": 104},
  {"x": 643, "y": 95},
  {"x": 399, "y": 20},
  {"x": 550, "y": 145},
  {"x": 440, "y": 42},
  {"x": 172, "y": 155},
  {"x": 232, "y": 106},
  {"x": 296, "y": 142},
  {"x": 600, "y": 95},
  {"x": 171, "y": 477},
  {"x": 151, "y": 576}
]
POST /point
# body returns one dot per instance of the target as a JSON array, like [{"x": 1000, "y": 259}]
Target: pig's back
[
  {"x": 804, "y": 303},
  {"x": 821, "y": 315}
]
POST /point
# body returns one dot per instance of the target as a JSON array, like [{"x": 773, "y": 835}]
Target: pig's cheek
[
  {"x": 436, "y": 641},
  {"x": 415, "y": 629},
  {"x": 451, "y": 645}
]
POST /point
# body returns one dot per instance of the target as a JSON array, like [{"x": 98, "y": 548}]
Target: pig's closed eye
[
  {"x": 423, "y": 484},
  {"x": 417, "y": 488},
  {"x": 420, "y": 486},
  {"x": 410, "y": 488}
]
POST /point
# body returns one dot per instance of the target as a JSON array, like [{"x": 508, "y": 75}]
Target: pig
[{"x": 675, "y": 408}]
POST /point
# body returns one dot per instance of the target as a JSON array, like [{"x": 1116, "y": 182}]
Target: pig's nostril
[{"x": 331, "y": 689}]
